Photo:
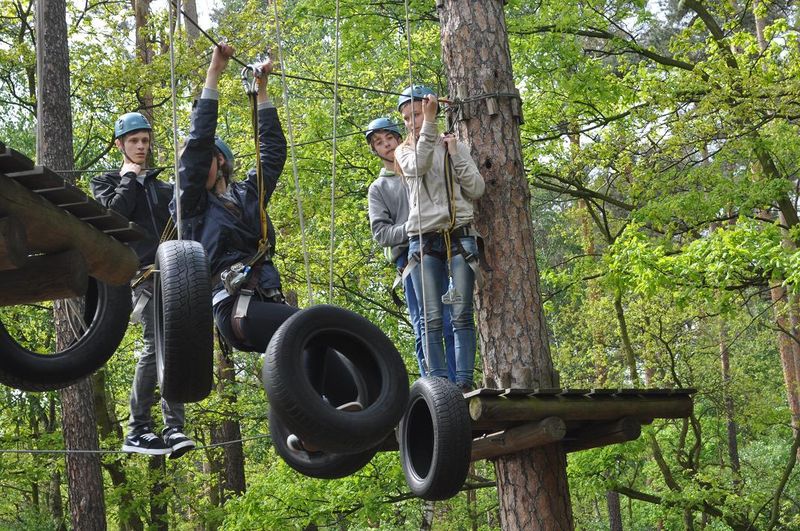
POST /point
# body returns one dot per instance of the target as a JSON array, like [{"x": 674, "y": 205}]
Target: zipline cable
[
  {"x": 295, "y": 173},
  {"x": 332, "y": 249},
  {"x": 103, "y": 451},
  {"x": 299, "y": 78},
  {"x": 177, "y": 193}
]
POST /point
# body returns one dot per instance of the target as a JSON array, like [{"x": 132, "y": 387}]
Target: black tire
[
  {"x": 321, "y": 465},
  {"x": 296, "y": 345},
  {"x": 435, "y": 439},
  {"x": 184, "y": 321},
  {"x": 101, "y": 317}
]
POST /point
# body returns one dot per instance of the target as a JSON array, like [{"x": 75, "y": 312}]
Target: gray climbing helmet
[
  {"x": 381, "y": 124},
  {"x": 223, "y": 148},
  {"x": 412, "y": 93},
  {"x": 130, "y": 123}
]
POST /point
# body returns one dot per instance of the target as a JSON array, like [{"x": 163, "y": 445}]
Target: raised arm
[
  {"x": 464, "y": 168},
  {"x": 416, "y": 165},
  {"x": 272, "y": 142},
  {"x": 195, "y": 160}
]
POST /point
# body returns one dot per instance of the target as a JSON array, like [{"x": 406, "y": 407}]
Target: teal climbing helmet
[
  {"x": 130, "y": 123},
  {"x": 414, "y": 92},
  {"x": 223, "y": 148},
  {"x": 382, "y": 124}
]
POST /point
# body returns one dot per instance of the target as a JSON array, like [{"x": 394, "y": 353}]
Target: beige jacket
[{"x": 428, "y": 202}]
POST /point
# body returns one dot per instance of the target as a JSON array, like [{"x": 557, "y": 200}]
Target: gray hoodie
[
  {"x": 426, "y": 182},
  {"x": 388, "y": 211}
]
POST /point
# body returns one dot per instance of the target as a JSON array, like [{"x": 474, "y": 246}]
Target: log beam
[
  {"x": 492, "y": 411},
  {"x": 13, "y": 244},
  {"x": 45, "y": 277},
  {"x": 51, "y": 230},
  {"x": 518, "y": 438},
  {"x": 594, "y": 436}
]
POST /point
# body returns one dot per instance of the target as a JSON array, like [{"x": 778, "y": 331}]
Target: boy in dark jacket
[{"x": 140, "y": 196}]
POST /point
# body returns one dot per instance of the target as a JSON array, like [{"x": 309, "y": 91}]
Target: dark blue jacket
[
  {"x": 227, "y": 237},
  {"x": 144, "y": 204}
]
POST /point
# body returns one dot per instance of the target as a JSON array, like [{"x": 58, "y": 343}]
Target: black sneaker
[
  {"x": 177, "y": 441},
  {"x": 145, "y": 442}
]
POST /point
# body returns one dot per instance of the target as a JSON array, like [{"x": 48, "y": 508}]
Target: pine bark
[
  {"x": 54, "y": 149},
  {"x": 230, "y": 430},
  {"x": 532, "y": 485}
]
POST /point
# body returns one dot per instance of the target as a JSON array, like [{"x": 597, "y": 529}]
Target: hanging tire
[
  {"x": 321, "y": 465},
  {"x": 184, "y": 321},
  {"x": 435, "y": 439},
  {"x": 295, "y": 350},
  {"x": 98, "y": 320}
]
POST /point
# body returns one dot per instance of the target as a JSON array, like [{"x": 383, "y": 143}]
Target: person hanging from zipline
[
  {"x": 139, "y": 195},
  {"x": 387, "y": 200},
  {"x": 443, "y": 181},
  {"x": 225, "y": 216},
  {"x": 229, "y": 219}
]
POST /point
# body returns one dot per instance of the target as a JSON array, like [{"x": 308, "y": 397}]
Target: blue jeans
[
  {"x": 461, "y": 311},
  {"x": 416, "y": 322}
]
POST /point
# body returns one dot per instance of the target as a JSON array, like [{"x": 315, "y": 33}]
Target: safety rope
[
  {"x": 295, "y": 173},
  {"x": 425, "y": 349},
  {"x": 251, "y": 88},
  {"x": 331, "y": 249}
]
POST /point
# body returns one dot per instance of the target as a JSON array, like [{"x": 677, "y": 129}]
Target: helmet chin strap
[{"x": 381, "y": 156}]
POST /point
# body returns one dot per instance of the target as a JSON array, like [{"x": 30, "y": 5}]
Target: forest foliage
[{"x": 661, "y": 146}]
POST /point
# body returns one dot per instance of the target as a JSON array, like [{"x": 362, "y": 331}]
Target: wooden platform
[
  {"x": 506, "y": 421},
  {"x": 47, "y": 224}
]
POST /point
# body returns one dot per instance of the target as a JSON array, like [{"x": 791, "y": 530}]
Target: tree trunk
[
  {"x": 532, "y": 485},
  {"x": 614, "y": 510},
  {"x": 144, "y": 51},
  {"x": 190, "y": 8},
  {"x": 725, "y": 362},
  {"x": 231, "y": 431},
  {"x": 54, "y": 149},
  {"x": 627, "y": 346},
  {"x": 158, "y": 502},
  {"x": 110, "y": 429}
]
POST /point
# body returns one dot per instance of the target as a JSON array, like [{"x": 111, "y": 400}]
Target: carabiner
[{"x": 250, "y": 83}]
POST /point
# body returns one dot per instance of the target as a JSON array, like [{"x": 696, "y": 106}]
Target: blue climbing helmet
[
  {"x": 223, "y": 148},
  {"x": 130, "y": 123},
  {"x": 414, "y": 92},
  {"x": 381, "y": 124}
]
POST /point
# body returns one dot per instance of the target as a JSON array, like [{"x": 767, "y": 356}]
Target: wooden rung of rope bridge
[
  {"x": 506, "y": 421},
  {"x": 53, "y": 236}
]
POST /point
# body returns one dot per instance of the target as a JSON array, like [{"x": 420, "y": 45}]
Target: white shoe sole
[
  {"x": 146, "y": 451},
  {"x": 181, "y": 448}
]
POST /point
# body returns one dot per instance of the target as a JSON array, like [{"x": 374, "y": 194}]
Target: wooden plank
[
  {"x": 52, "y": 230},
  {"x": 86, "y": 207},
  {"x": 12, "y": 160},
  {"x": 64, "y": 194},
  {"x": 490, "y": 411},
  {"x": 518, "y": 438},
  {"x": 13, "y": 244},
  {"x": 127, "y": 234},
  {"x": 603, "y": 434},
  {"x": 45, "y": 277},
  {"x": 37, "y": 178}
]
